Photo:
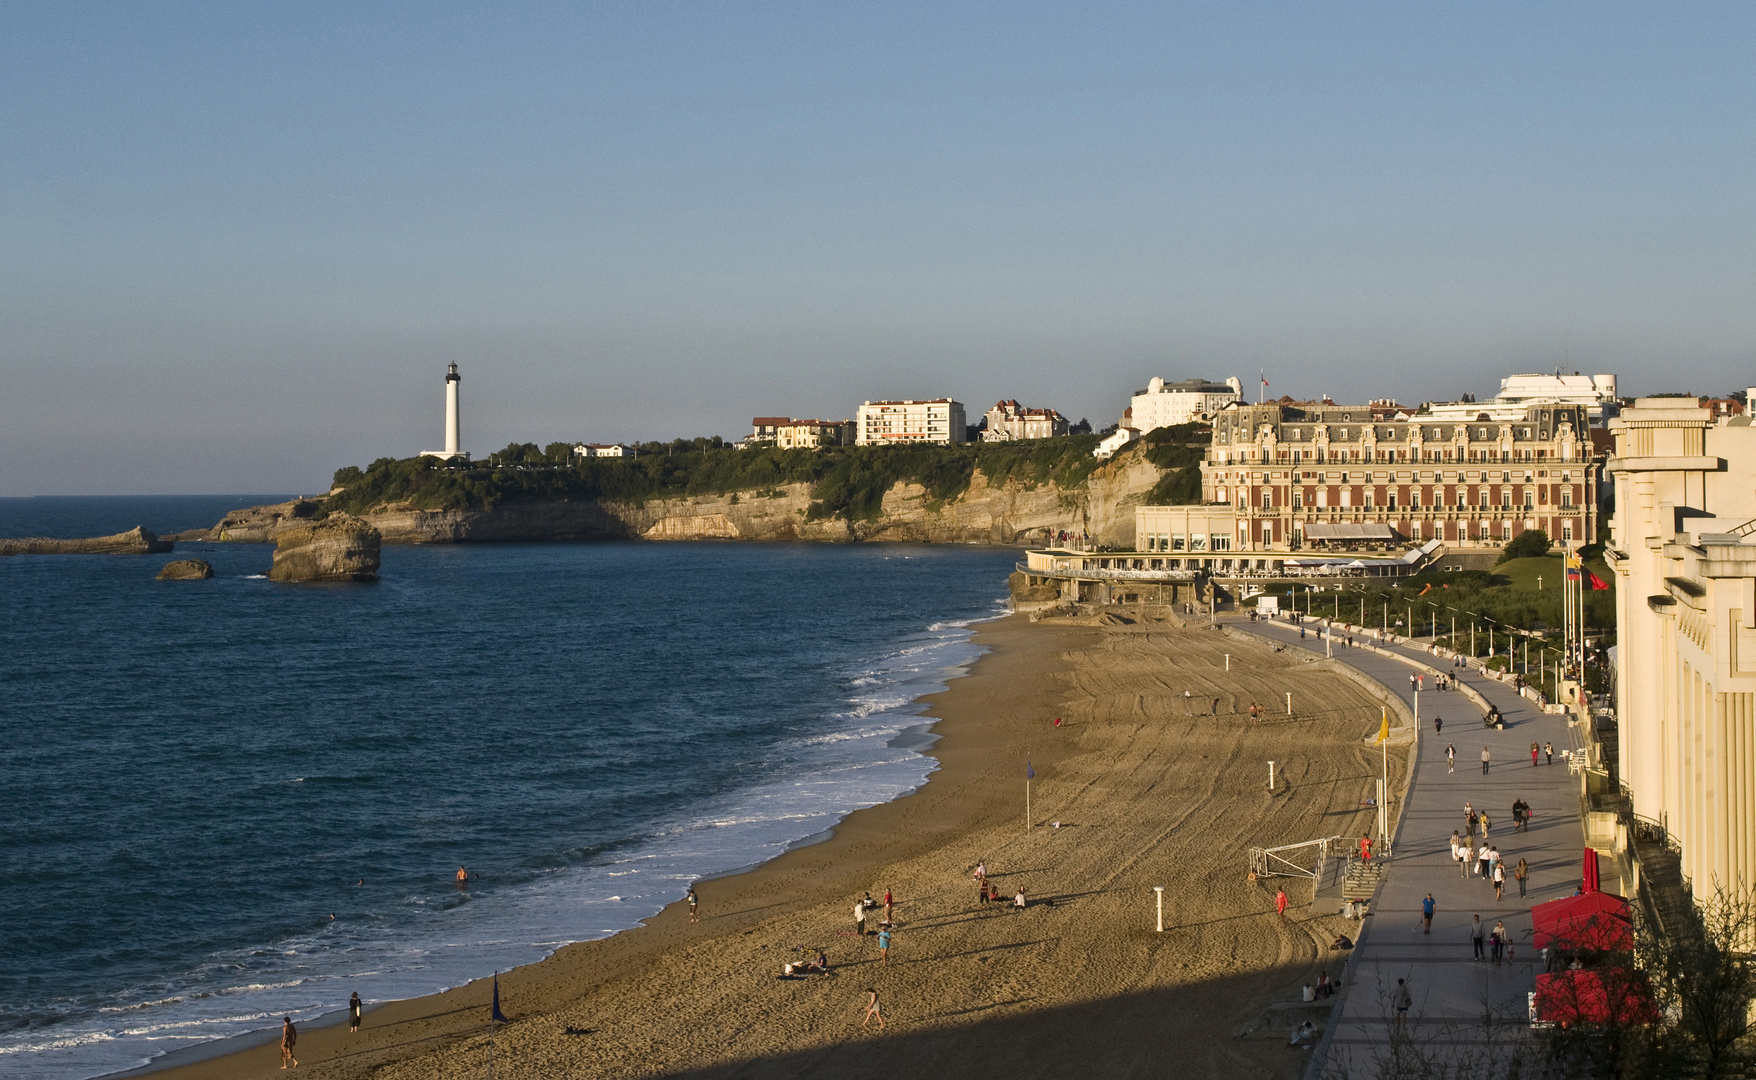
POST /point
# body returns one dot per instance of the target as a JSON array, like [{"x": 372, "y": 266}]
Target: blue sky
[{"x": 241, "y": 242}]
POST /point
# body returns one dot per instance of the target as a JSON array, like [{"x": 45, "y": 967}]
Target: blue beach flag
[
  {"x": 1029, "y": 773},
  {"x": 498, "y": 1015}
]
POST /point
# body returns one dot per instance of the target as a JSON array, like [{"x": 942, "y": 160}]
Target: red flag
[{"x": 1596, "y": 582}]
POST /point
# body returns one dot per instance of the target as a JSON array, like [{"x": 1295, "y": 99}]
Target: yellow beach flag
[{"x": 1384, "y": 727}]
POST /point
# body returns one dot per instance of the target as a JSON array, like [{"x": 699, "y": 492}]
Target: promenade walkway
[{"x": 1452, "y": 991}]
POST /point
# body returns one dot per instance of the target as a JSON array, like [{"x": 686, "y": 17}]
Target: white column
[{"x": 453, "y": 439}]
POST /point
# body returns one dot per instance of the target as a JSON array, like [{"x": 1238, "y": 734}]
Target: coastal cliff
[
  {"x": 136, "y": 541},
  {"x": 1006, "y": 494}
]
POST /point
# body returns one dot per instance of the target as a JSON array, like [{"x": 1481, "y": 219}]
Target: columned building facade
[
  {"x": 1287, "y": 468},
  {"x": 1684, "y": 552}
]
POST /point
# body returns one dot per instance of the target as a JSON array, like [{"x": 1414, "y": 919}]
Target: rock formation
[
  {"x": 136, "y": 541},
  {"x": 340, "y": 547},
  {"x": 185, "y": 570},
  {"x": 1008, "y": 513}
]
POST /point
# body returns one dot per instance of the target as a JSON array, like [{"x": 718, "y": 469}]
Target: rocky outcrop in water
[
  {"x": 185, "y": 570},
  {"x": 136, "y": 541},
  {"x": 340, "y": 547}
]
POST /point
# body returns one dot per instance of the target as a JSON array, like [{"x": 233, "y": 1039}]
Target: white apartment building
[
  {"x": 1166, "y": 404},
  {"x": 1113, "y": 442},
  {"x": 1008, "y": 421},
  {"x": 1597, "y": 393},
  {"x": 1683, "y": 550},
  {"x": 893, "y": 423}
]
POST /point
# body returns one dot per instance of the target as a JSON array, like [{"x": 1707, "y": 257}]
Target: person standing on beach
[
  {"x": 872, "y": 1010},
  {"x": 694, "y": 914},
  {"x": 860, "y": 917},
  {"x": 1280, "y": 903},
  {"x": 289, "y": 1035},
  {"x": 884, "y": 946},
  {"x": 354, "y": 1014},
  {"x": 887, "y": 903}
]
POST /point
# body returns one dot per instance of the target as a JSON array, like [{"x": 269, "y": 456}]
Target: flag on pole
[
  {"x": 1573, "y": 567},
  {"x": 498, "y": 1015},
  {"x": 1029, "y": 773},
  {"x": 1384, "y": 726},
  {"x": 1264, "y": 376},
  {"x": 1597, "y": 583}
]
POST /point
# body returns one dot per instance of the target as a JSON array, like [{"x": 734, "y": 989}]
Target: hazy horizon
[{"x": 244, "y": 243}]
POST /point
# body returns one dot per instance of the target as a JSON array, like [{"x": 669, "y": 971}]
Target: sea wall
[{"x": 1009, "y": 513}]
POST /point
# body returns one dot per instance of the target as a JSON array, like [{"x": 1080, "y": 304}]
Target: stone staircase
[{"x": 1360, "y": 880}]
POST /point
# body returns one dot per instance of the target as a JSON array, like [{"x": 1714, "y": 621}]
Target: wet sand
[{"x": 1151, "y": 788}]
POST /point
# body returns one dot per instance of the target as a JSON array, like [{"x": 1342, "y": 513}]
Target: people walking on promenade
[
  {"x": 1438, "y": 724},
  {"x": 1427, "y": 914},
  {"x": 1548, "y": 753},
  {"x": 1467, "y": 856},
  {"x": 1469, "y": 815},
  {"x": 1534, "y": 750},
  {"x": 1499, "y": 881},
  {"x": 1403, "y": 1001},
  {"x": 1477, "y": 936},
  {"x": 1521, "y": 872},
  {"x": 1484, "y": 821},
  {"x": 1500, "y": 940},
  {"x": 1483, "y": 860},
  {"x": 1450, "y": 758},
  {"x": 1484, "y": 761}
]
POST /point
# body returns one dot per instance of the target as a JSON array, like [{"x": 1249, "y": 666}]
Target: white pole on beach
[
  {"x": 1228, "y": 661},
  {"x": 1027, "y": 805},
  {"x": 1159, "y": 893},
  {"x": 1289, "y": 703},
  {"x": 1271, "y": 776}
]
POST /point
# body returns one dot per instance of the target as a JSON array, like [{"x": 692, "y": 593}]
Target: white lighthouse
[{"x": 453, "y": 427}]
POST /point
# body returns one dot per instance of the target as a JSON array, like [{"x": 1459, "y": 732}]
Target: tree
[
  {"x": 1529, "y": 544},
  {"x": 1081, "y": 428}
]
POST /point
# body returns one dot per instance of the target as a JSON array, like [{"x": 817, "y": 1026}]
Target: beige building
[
  {"x": 1294, "y": 471},
  {"x": 1009, "y": 421},
  {"x": 1684, "y": 555},
  {"x": 814, "y": 434},
  {"x": 892, "y": 423}
]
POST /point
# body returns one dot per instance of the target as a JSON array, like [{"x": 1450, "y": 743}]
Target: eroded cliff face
[
  {"x": 341, "y": 547},
  {"x": 1009, "y": 513}
]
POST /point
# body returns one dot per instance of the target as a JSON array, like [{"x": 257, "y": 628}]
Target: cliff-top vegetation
[{"x": 846, "y": 481}]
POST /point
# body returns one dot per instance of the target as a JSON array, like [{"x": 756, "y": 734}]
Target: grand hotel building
[{"x": 1295, "y": 475}]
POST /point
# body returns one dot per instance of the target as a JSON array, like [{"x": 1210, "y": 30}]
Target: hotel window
[
  {"x": 1506, "y": 530},
  {"x": 1221, "y": 542},
  {"x": 1177, "y": 542},
  {"x": 1566, "y": 532},
  {"x": 1368, "y": 500},
  {"x": 1414, "y": 499},
  {"x": 1298, "y": 500},
  {"x": 1529, "y": 498},
  {"x": 1506, "y": 499},
  {"x": 1197, "y": 542},
  {"x": 1390, "y": 501},
  {"x": 1267, "y": 500},
  {"x": 1566, "y": 497}
]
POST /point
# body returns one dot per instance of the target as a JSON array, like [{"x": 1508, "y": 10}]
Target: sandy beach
[{"x": 1150, "y": 787}]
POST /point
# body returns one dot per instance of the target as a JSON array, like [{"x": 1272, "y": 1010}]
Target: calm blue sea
[{"x": 226, "y": 801}]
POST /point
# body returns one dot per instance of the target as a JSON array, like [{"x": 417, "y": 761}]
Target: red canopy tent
[
  {"x": 1606, "y": 995},
  {"x": 1589, "y": 875},
  {"x": 1593, "y": 920}
]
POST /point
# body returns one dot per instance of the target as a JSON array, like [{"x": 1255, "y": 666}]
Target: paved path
[{"x": 1452, "y": 991}]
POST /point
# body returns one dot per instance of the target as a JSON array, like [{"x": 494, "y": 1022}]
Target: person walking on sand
[
  {"x": 1521, "y": 872},
  {"x": 1450, "y": 758},
  {"x": 1280, "y": 903},
  {"x": 887, "y": 903},
  {"x": 872, "y": 1010},
  {"x": 981, "y": 874},
  {"x": 354, "y": 1014},
  {"x": 1403, "y": 1001},
  {"x": 289, "y": 1035},
  {"x": 884, "y": 946},
  {"x": 694, "y": 905},
  {"x": 860, "y": 917},
  {"x": 1427, "y": 914},
  {"x": 1478, "y": 935},
  {"x": 1484, "y": 761}
]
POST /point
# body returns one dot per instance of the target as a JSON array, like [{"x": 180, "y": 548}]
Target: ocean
[{"x": 227, "y": 801}]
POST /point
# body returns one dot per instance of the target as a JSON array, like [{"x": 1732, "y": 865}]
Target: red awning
[
  {"x": 1588, "y": 876},
  {"x": 1595, "y": 997},
  {"x": 1595, "y": 920}
]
